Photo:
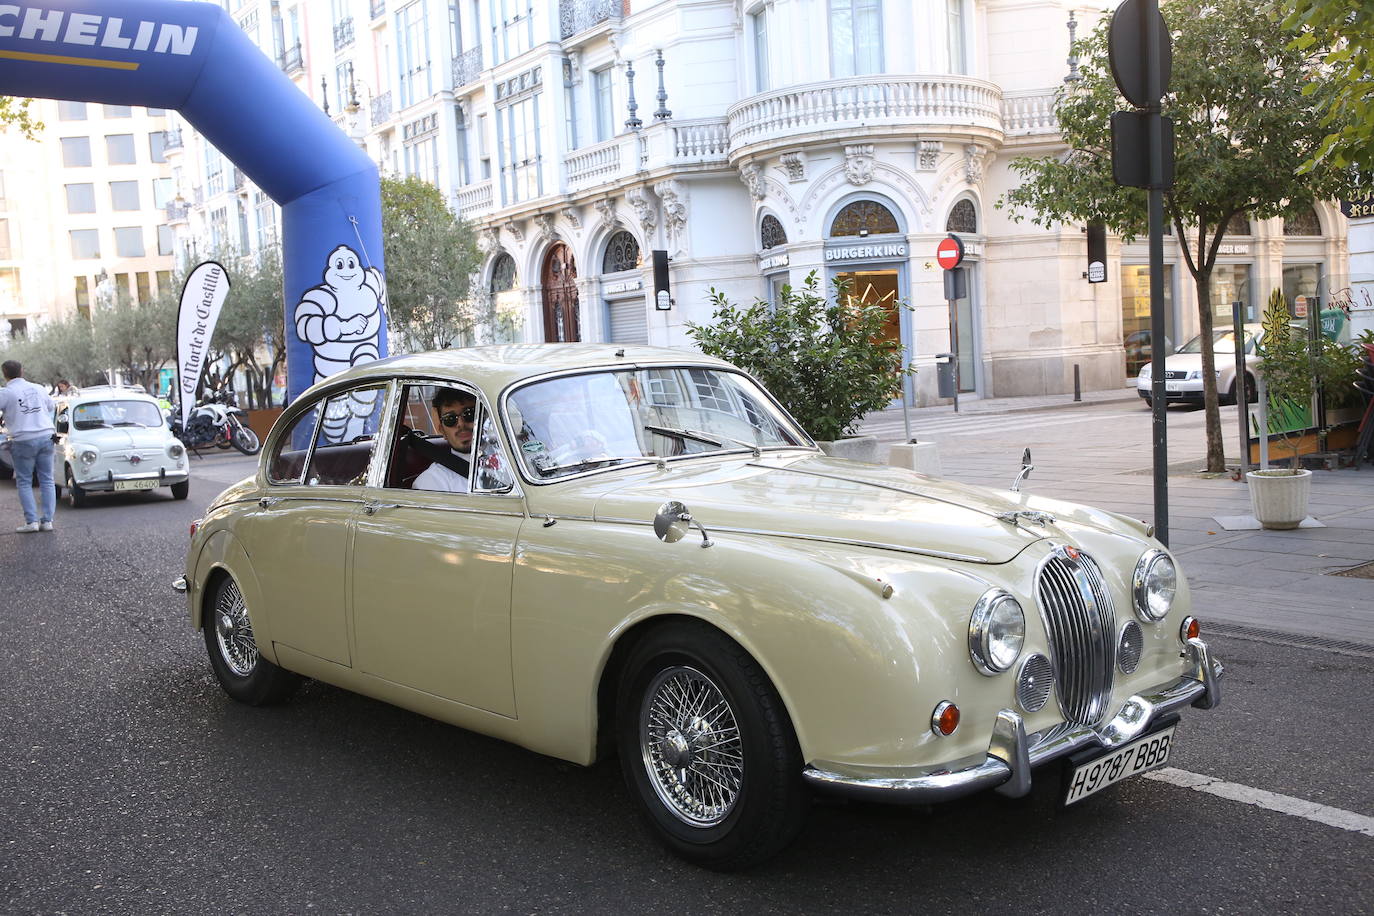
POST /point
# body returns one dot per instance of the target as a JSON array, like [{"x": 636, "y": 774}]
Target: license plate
[
  {"x": 1147, "y": 753},
  {"x": 1173, "y": 386},
  {"x": 135, "y": 484}
]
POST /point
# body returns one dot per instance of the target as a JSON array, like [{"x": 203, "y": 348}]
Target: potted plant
[
  {"x": 1279, "y": 496},
  {"x": 828, "y": 362}
]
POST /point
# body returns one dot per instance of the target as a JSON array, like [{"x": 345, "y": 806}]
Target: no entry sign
[{"x": 950, "y": 252}]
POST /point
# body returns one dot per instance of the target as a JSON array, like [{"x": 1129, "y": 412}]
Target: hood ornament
[
  {"x": 1043, "y": 519},
  {"x": 1026, "y": 468}
]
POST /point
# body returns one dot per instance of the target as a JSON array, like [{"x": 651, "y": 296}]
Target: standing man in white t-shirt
[
  {"x": 28, "y": 410},
  {"x": 456, "y": 412}
]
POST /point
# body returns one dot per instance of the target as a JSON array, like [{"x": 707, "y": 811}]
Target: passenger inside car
[{"x": 456, "y": 412}]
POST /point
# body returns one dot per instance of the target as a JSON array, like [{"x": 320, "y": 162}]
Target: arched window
[
  {"x": 864, "y": 217},
  {"x": 622, "y": 253},
  {"x": 1239, "y": 225},
  {"x": 1304, "y": 223},
  {"x": 771, "y": 233},
  {"x": 503, "y": 273},
  {"x": 962, "y": 218}
]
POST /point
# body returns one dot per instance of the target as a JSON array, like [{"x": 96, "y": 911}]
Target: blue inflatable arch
[{"x": 193, "y": 58}]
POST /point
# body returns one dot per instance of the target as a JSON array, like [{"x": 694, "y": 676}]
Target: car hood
[
  {"x": 826, "y": 499},
  {"x": 120, "y": 437}
]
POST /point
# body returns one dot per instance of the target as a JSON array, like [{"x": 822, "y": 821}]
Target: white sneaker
[
  {"x": 45, "y": 526},
  {"x": 25, "y": 529}
]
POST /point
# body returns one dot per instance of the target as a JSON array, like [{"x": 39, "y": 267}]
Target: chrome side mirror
[
  {"x": 673, "y": 521},
  {"x": 1026, "y": 468}
]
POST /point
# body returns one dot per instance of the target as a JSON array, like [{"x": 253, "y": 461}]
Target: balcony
[
  {"x": 474, "y": 199},
  {"x": 579, "y": 15},
  {"x": 1029, "y": 113},
  {"x": 177, "y": 212},
  {"x": 291, "y": 61},
  {"x": 377, "y": 8},
  {"x": 171, "y": 140},
  {"x": 467, "y": 67},
  {"x": 381, "y": 108},
  {"x": 674, "y": 146},
  {"x": 863, "y": 108},
  {"x": 343, "y": 33},
  {"x": 237, "y": 181}
]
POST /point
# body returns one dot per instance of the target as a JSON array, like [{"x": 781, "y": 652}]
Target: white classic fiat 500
[
  {"x": 112, "y": 440},
  {"x": 581, "y": 548}
]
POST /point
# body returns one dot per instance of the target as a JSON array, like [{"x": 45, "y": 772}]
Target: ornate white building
[{"x": 754, "y": 141}]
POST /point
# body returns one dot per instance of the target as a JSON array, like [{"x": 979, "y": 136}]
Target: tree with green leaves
[
  {"x": 137, "y": 337},
  {"x": 431, "y": 255},
  {"x": 1246, "y": 106},
  {"x": 251, "y": 328},
  {"x": 54, "y": 350},
  {"x": 15, "y": 113},
  {"x": 1345, "y": 29}
]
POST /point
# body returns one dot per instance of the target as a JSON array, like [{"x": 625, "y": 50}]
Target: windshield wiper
[
  {"x": 546, "y": 470},
  {"x": 716, "y": 439},
  {"x": 133, "y": 423}
]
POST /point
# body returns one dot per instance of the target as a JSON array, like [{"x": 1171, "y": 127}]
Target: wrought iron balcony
[
  {"x": 467, "y": 66},
  {"x": 579, "y": 15},
  {"x": 381, "y": 108},
  {"x": 176, "y": 213},
  {"x": 343, "y": 33},
  {"x": 291, "y": 61},
  {"x": 378, "y": 8},
  {"x": 171, "y": 140}
]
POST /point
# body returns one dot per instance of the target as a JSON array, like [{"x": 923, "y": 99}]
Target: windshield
[
  {"x": 579, "y": 423},
  {"x": 97, "y": 414},
  {"x": 1223, "y": 341}
]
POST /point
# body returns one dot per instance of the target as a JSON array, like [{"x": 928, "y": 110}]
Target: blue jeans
[{"x": 29, "y": 454}]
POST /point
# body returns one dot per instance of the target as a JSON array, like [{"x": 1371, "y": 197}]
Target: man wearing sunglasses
[{"x": 456, "y": 412}]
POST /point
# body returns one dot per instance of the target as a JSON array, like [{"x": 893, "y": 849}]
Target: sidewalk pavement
[{"x": 1098, "y": 451}]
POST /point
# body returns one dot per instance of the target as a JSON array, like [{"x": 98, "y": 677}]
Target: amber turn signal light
[
  {"x": 1191, "y": 629},
  {"x": 945, "y": 719}
]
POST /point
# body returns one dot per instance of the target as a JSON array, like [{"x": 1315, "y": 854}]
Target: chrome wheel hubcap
[
  {"x": 690, "y": 744},
  {"x": 234, "y": 632}
]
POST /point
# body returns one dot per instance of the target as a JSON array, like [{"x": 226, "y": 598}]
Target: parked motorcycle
[{"x": 217, "y": 421}]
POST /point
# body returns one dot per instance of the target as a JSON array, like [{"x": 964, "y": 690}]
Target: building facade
[
  {"x": 755, "y": 142},
  {"x": 82, "y": 212}
]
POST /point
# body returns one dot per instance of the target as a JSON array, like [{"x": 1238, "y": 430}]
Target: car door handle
[
  {"x": 268, "y": 502},
  {"x": 371, "y": 508}
]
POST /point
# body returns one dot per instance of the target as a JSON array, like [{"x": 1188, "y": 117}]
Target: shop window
[
  {"x": 771, "y": 233},
  {"x": 1135, "y": 315},
  {"x": 503, "y": 273},
  {"x": 622, "y": 253},
  {"x": 862, "y": 218},
  {"x": 962, "y": 218},
  {"x": 1304, "y": 222}
]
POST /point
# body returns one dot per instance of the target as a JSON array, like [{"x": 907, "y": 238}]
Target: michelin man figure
[{"x": 340, "y": 319}]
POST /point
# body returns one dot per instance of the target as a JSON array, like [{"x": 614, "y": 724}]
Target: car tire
[
  {"x": 181, "y": 490},
  {"x": 75, "y": 495},
  {"x": 1149, "y": 401},
  {"x": 712, "y": 807},
  {"x": 240, "y": 669}
]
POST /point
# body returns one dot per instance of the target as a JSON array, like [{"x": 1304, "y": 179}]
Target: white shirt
[
  {"x": 438, "y": 477},
  {"x": 27, "y": 410}
]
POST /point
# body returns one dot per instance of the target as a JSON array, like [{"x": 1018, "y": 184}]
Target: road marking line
[{"x": 1271, "y": 801}]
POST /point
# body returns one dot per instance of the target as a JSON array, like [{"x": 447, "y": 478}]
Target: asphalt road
[{"x": 129, "y": 783}]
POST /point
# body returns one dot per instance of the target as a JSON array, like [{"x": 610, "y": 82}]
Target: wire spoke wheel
[
  {"x": 234, "y": 631},
  {"x": 690, "y": 745}
]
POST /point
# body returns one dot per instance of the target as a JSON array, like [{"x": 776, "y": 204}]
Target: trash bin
[{"x": 944, "y": 374}]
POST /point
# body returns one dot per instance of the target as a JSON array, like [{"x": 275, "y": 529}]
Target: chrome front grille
[{"x": 1078, "y": 614}]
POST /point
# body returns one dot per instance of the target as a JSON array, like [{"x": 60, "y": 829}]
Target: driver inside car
[{"x": 456, "y": 412}]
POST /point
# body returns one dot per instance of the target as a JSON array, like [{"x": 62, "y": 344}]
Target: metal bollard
[{"x": 1077, "y": 387}]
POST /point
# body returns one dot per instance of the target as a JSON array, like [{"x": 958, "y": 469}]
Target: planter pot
[
  {"x": 1279, "y": 498},
  {"x": 856, "y": 448}
]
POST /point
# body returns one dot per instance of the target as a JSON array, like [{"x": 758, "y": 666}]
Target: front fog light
[
  {"x": 996, "y": 632},
  {"x": 1154, "y": 585}
]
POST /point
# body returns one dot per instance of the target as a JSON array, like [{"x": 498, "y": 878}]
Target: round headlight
[
  {"x": 996, "y": 632},
  {"x": 176, "y": 450},
  {"x": 1153, "y": 586},
  {"x": 89, "y": 455}
]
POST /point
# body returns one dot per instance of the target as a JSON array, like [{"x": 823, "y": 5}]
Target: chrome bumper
[
  {"x": 1012, "y": 754},
  {"x": 105, "y": 483}
]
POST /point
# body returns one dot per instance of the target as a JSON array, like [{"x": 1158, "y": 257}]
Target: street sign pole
[{"x": 1149, "y": 13}]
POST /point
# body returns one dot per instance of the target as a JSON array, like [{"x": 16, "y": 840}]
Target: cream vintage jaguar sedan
[{"x": 638, "y": 549}]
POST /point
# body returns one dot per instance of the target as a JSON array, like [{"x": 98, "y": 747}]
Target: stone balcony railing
[
  {"x": 1029, "y": 113},
  {"x": 667, "y": 145},
  {"x": 467, "y": 67},
  {"x": 473, "y": 199},
  {"x": 864, "y": 106}
]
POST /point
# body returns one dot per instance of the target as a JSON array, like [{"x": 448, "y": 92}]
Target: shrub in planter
[{"x": 828, "y": 362}]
